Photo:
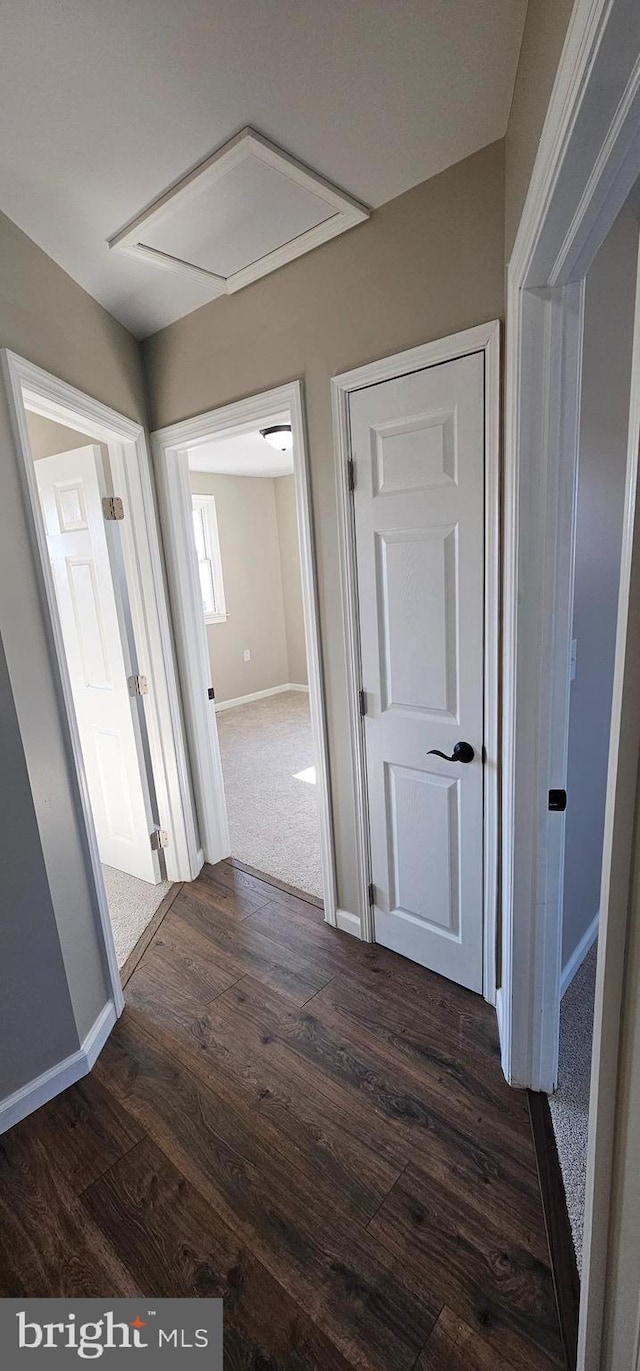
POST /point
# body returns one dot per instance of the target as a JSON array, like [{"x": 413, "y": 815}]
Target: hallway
[{"x": 313, "y": 1127}]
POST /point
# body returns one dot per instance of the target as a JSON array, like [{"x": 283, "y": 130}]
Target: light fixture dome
[{"x": 278, "y": 436}]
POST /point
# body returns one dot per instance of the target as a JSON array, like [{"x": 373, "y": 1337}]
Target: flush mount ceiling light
[
  {"x": 278, "y": 436},
  {"x": 246, "y": 210}
]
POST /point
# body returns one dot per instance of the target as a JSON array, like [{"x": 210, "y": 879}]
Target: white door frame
[
  {"x": 170, "y": 449},
  {"x": 28, "y": 386},
  {"x": 485, "y": 339},
  {"x": 587, "y": 162}
]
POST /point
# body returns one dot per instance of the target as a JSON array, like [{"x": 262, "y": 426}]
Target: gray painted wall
[
  {"x": 31, "y": 955},
  {"x": 249, "y": 551},
  {"x": 258, "y": 531},
  {"x": 542, "y": 42},
  {"x": 606, "y": 376}
]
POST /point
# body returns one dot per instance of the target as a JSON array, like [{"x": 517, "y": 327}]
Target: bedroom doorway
[
  {"x": 246, "y": 539},
  {"x": 236, "y": 515}
]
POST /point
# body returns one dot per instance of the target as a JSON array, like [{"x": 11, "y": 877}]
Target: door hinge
[
  {"x": 112, "y": 507},
  {"x": 363, "y": 702},
  {"x": 351, "y": 474},
  {"x": 159, "y": 839},
  {"x": 372, "y": 893},
  {"x": 558, "y": 800},
  {"x": 211, "y": 693},
  {"x": 138, "y": 685}
]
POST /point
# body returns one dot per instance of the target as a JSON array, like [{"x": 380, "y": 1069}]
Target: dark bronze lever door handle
[{"x": 462, "y": 752}]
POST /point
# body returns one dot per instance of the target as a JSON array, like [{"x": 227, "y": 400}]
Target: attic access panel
[{"x": 245, "y": 211}]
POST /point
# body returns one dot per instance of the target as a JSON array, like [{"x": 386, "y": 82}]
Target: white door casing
[
  {"x": 417, "y": 444},
  {"x": 70, "y": 485}
]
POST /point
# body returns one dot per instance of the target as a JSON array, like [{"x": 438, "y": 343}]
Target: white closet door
[{"x": 418, "y": 452}]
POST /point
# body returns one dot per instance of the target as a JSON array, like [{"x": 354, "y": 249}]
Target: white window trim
[{"x": 212, "y": 540}]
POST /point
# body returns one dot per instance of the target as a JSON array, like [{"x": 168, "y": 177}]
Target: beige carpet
[
  {"x": 132, "y": 904},
  {"x": 273, "y": 815},
  {"x": 570, "y": 1104}
]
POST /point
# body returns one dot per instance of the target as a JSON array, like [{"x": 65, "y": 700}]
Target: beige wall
[
  {"x": 619, "y": 1348},
  {"x": 544, "y": 34},
  {"x": 250, "y": 553},
  {"x": 602, "y": 464},
  {"x": 425, "y": 265},
  {"x": 47, "y": 318},
  {"x": 47, "y": 437},
  {"x": 285, "y": 490}
]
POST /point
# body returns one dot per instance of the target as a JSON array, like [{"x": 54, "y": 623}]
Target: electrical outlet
[{"x": 247, "y": 654}]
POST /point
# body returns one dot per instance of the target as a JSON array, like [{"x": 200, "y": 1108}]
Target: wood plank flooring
[{"x": 313, "y": 1128}]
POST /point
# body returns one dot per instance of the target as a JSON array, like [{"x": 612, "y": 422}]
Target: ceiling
[
  {"x": 245, "y": 454},
  {"x": 104, "y": 104}
]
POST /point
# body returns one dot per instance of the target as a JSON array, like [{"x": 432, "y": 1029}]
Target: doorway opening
[
  {"x": 605, "y": 390},
  {"x": 87, "y": 488},
  {"x": 246, "y": 540},
  {"x": 236, "y": 514},
  {"x": 73, "y": 478},
  {"x": 586, "y": 165}
]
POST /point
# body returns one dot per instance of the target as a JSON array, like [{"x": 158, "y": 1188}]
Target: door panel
[
  {"x": 71, "y": 500},
  {"x": 412, "y": 675},
  {"x": 88, "y": 621},
  {"x": 423, "y": 813},
  {"x": 418, "y": 451}
]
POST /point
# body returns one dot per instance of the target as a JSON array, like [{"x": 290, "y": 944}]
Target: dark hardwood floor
[{"x": 316, "y": 1129}]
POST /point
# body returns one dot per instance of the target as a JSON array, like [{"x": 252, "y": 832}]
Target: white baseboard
[
  {"x": 349, "y": 923},
  {"x": 258, "y": 695},
  {"x": 59, "y": 1077},
  {"x": 579, "y": 953}
]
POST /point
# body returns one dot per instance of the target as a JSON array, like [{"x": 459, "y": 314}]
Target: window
[{"x": 205, "y": 529}]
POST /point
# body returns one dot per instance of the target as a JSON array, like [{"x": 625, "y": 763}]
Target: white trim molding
[
  {"x": 258, "y": 695},
  {"x": 59, "y": 1077},
  {"x": 588, "y": 160},
  {"x": 171, "y": 447},
  {"x": 343, "y": 212},
  {"x": 348, "y": 923},
  {"x": 580, "y": 951},
  {"x": 485, "y": 339}
]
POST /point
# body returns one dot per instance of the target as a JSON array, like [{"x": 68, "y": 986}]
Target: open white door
[
  {"x": 417, "y": 445},
  {"x": 71, "y": 498}
]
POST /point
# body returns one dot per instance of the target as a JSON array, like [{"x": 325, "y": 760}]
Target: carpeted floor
[
  {"x": 132, "y": 903},
  {"x": 273, "y": 815},
  {"x": 570, "y": 1104}
]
